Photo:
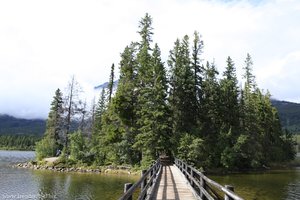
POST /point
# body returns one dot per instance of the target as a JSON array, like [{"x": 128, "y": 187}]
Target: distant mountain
[
  {"x": 289, "y": 114},
  {"x": 105, "y": 85},
  {"x": 15, "y": 126}
]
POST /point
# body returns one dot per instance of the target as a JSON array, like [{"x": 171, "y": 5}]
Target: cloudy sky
[{"x": 44, "y": 43}]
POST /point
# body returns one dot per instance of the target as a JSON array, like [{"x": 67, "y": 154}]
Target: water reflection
[
  {"x": 43, "y": 185},
  {"x": 293, "y": 188},
  {"x": 53, "y": 185},
  {"x": 275, "y": 185}
]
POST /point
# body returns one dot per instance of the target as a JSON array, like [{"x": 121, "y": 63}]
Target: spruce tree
[
  {"x": 182, "y": 95},
  {"x": 251, "y": 156},
  {"x": 52, "y": 141},
  {"x": 229, "y": 98},
  {"x": 150, "y": 90},
  {"x": 154, "y": 132},
  {"x": 99, "y": 111},
  {"x": 54, "y": 126},
  {"x": 197, "y": 67},
  {"x": 111, "y": 82},
  {"x": 211, "y": 107},
  {"x": 229, "y": 113},
  {"x": 161, "y": 110},
  {"x": 120, "y": 121}
]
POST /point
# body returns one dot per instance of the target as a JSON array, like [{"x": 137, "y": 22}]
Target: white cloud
[{"x": 43, "y": 43}]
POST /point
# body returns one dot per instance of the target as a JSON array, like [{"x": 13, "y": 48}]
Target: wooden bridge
[{"x": 177, "y": 181}]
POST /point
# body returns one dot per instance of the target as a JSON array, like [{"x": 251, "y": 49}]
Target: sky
[{"x": 43, "y": 43}]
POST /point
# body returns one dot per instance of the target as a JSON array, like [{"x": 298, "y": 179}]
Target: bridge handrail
[
  {"x": 189, "y": 172},
  {"x": 145, "y": 182}
]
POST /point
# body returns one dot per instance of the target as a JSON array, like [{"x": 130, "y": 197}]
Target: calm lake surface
[
  {"x": 37, "y": 184},
  {"x": 271, "y": 185},
  {"x": 42, "y": 184}
]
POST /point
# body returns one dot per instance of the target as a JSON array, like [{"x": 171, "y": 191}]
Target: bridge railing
[
  {"x": 145, "y": 184},
  {"x": 204, "y": 187}
]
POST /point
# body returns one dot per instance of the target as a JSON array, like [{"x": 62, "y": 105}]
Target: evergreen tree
[
  {"x": 145, "y": 78},
  {"x": 153, "y": 137},
  {"x": 97, "y": 144},
  {"x": 251, "y": 156},
  {"x": 211, "y": 107},
  {"x": 99, "y": 111},
  {"x": 182, "y": 97},
  {"x": 161, "y": 109},
  {"x": 248, "y": 76},
  {"x": 229, "y": 113},
  {"x": 120, "y": 121},
  {"x": 197, "y": 67},
  {"x": 54, "y": 126},
  {"x": 111, "y": 82},
  {"x": 48, "y": 146}
]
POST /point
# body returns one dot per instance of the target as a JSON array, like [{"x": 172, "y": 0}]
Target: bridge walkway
[{"x": 173, "y": 185}]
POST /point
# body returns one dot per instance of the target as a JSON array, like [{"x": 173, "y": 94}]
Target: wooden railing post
[
  {"x": 192, "y": 178},
  {"x": 151, "y": 174},
  {"x": 127, "y": 186},
  {"x": 182, "y": 167},
  {"x": 186, "y": 170},
  {"x": 203, "y": 185},
  {"x": 231, "y": 188},
  {"x": 144, "y": 183}
]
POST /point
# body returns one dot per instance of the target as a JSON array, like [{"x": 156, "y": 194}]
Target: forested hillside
[
  {"x": 15, "y": 126},
  {"x": 180, "y": 108},
  {"x": 19, "y": 142},
  {"x": 289, "y": 114}
]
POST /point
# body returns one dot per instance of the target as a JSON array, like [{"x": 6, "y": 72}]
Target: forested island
[{"x": 181, "y": 108}]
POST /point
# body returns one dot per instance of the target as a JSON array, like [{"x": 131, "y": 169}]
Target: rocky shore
[{"x": 106, "y": 170}]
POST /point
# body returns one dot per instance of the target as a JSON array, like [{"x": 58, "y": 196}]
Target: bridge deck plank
[{"x": 173, "y": 186}]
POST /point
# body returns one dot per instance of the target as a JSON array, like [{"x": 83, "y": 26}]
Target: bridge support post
[
  {"x": 186, "y": 171},
  {"x": 144, "y": 183},
  {"x": 182, "y": 167},
  {"x": 151, "y": 174},
  {"x": 191, "y": 178},
  {"x": 231, "y": 188},
  {"x": 202, "y": 187},
  {"x": 127, "y": 186}
]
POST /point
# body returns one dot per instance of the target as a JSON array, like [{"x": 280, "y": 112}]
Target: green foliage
[
  {"x": 45, "y": 148},
  {"x": 182, "y": 92},
  {"x": 192, "y": 150},
  {"x": 77, "y": 146},
  {"x": 54, "y": 126},
  {"x": 53, "y": 139}
]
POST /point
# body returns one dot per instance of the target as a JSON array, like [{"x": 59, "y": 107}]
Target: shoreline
[
  {"x": 125, "y": 170},
  {"x": 129, "y": 170},
  {"x": 121, "y": 170}
]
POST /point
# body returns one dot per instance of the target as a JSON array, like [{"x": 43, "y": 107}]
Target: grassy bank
[{"x": 62, "y": 165}]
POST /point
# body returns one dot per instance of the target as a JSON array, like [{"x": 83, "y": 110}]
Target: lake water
[
  {"x": 271, "y": 185},
  {"x": 42, "y": 184}
]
